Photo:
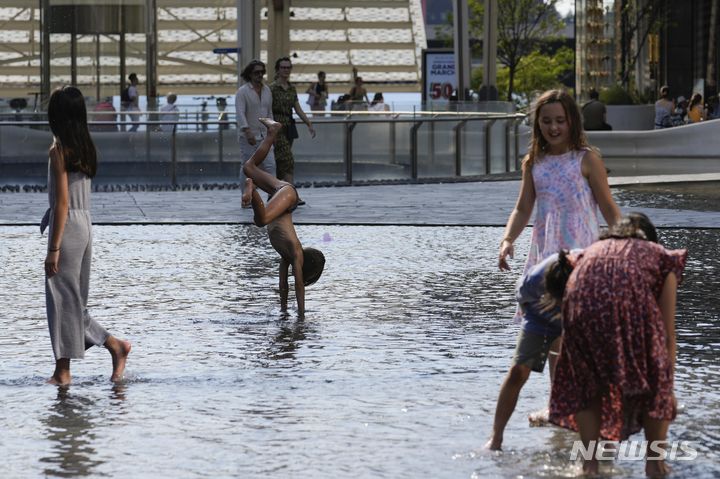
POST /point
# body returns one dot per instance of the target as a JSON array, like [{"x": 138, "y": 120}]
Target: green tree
[
  {"x": 523, "y": 25},
  {"x": 536, "y": 72}
]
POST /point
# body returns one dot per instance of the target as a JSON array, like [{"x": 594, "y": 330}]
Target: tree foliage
[
  {"x": 536, "y": 72},
  {"x": 523, "y": 25}
]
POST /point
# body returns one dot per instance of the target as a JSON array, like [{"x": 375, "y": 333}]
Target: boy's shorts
[{"x": 532, "y": 350}]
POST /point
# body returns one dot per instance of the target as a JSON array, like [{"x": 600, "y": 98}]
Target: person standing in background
[
  {"x": 169, "y": 114},
  {"x": 130, "y": 101},
  {"x": 358, "y": 96},
  {"x": 378, "y": 103},
  {"x": 695, "y": 113},
  {"x": 221, "y": 104},
  {"x": 104, "y": 111},
  {"x": 284, "y": 100},
  {"x": 664, "y": 109},
  {"x": 253, "y": 101},
  {"x": 595, "y": 114},
  {"x": 318, "y": 94}
]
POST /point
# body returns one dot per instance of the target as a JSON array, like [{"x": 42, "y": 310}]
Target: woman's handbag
[{"x": 291, "y": 131}]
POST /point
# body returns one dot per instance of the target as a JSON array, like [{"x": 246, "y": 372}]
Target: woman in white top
[{"x": 378, "y": 103}]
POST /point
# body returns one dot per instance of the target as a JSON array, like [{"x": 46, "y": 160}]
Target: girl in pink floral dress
[
  {"x": 616, "y": 367},
  {"x": 567, "y": 181}
]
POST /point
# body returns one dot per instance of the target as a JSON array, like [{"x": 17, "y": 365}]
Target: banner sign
[{"x": 439, "y": 80}]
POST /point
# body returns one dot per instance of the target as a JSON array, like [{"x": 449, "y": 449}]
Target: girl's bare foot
[
  {"x": 591, "y": 468},
  {"x": 494, "y": 444},
  {"x": 539, "y": 418},
  {"x": 61, "y": 375},
  {"x": 657, "y": 469},
  {"x": 119, "y": 350},
  {"x": 272, "y": 126},
  {"x": 59, "y": 380},
  {"x": 247, "y": 193}
]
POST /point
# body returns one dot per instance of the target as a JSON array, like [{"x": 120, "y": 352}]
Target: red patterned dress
[{"x": 614, "y": 337}]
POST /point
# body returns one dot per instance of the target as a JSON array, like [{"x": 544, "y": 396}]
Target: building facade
[{"x": 644, "y": 44}]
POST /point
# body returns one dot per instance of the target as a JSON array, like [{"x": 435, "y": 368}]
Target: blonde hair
[{"x": 538, "y": 144}]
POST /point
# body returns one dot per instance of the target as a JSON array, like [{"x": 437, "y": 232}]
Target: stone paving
[{"x": 467, "y": 203}]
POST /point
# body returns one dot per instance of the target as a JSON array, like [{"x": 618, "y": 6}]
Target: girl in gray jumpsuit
[{"x": 73, "y": 162}]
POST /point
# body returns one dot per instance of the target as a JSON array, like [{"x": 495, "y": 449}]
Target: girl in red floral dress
[{"x": 616, "y": 367}]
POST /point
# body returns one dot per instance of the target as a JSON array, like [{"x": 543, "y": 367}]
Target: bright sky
[{"x": 566, "y": 6}]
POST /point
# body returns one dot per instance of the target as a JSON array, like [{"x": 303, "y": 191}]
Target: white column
[
  {"x": 489, "y": 90},
  {"x": 278, "y": 44},
  {"x": 248, "y": 33}
]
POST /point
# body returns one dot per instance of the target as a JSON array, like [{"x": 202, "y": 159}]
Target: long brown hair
[
  {"x": 537, "y": 142},
  {"x": 695, "y": 100},
  {"x": 67, "y": 116}
]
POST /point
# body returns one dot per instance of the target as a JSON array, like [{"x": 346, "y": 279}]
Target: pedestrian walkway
[{"x": 451, "y": 204}]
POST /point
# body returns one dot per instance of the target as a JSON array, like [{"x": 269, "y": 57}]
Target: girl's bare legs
[
  {"x": 507, "y": 400},
  {"x": 541, "y": 417},
  {"x": 655, "y": 430},
  {"x": 282, "y": 199},
  {"x": 119, "y": 350},
  {"x": 588, "y": 421},
  {"x": 61, "y": 376}
]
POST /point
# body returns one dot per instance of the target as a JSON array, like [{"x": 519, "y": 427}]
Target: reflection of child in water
[{"x": 307, "y": 264}]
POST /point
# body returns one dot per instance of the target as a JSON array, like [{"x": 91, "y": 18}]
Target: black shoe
[{"x": 301, "y": 202}]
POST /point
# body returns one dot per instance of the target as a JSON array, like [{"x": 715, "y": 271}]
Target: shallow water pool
[{"x": 393, "y": 373}]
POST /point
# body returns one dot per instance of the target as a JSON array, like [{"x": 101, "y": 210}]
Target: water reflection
[
  {"x": 69, "y": 428},
  {"x": 286, "y": 342},
  {"x": 700, "y": 196},
  {"x": 394, "y": 372}
]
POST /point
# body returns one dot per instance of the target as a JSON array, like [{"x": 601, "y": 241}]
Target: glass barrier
[{"x": 348, "y": 148}]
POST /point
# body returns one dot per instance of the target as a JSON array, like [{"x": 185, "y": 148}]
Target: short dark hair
[
  {"x": 132, "y": 76},
  {"x": 247, "y": 71},
  {"x": 594, "y": 95},
  {"x": 556, "y": 277},
  {"x": 313, "y": 265},
  {"x": 280, "y": 60}
]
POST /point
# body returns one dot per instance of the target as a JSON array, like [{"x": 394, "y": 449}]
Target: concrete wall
[
  {"x": 681, "y": 150},
  {"x": 631, "y": 117}
]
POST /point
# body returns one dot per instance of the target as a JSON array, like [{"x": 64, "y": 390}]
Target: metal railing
[{"x": 350, "y": 147}]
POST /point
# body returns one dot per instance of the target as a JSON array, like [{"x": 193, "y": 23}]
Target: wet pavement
[{"x": 669, "y": 204}]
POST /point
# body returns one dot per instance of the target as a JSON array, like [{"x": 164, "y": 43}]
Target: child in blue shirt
[{"x": 540, "y": 333}]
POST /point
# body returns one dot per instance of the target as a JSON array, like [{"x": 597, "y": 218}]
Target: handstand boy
[{"x": 307, "y": 264}]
